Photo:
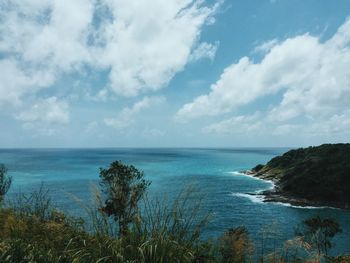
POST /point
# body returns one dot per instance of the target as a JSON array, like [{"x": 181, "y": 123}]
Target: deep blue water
[{"x": 72, "y": 171}]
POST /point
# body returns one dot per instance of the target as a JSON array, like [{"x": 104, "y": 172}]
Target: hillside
[{"x": 313, "y": 175}]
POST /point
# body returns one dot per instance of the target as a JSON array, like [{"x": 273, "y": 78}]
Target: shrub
[
  {"x": 318, "y": 232},
  {"x": 235, "y": 246},
  {"x": 5, "y": 182}
]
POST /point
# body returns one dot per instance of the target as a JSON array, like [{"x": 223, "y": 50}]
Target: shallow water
[{"x": 213, "y": 171}]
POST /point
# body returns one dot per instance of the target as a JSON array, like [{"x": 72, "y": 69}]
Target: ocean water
[{"x": 67, "y": 172}]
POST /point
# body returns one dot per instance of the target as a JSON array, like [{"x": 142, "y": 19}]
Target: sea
[{"x": 69, "y": 175}]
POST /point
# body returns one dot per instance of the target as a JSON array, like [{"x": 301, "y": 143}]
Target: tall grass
[
  {"x": 174, "y": 226},
  {"x": 166, "y": 230},
  {"x": 180, "y": 219},
  {"x": 38, "y": 203}
]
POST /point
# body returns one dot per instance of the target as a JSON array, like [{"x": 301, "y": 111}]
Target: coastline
[{"x": 276, "y": 195}]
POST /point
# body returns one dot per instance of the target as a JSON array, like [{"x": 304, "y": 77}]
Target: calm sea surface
[{"x": 68, "y": 172}]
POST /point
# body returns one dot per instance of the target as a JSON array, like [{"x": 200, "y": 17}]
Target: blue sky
[{"x": 122, "y": 73}]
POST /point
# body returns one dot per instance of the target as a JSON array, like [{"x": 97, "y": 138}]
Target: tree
[
  {"x": 319, "y": 232},
  {"x": 5, "y": 182},
  {"x": 124, "y": 186}
]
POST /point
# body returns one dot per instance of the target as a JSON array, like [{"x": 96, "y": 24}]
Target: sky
[{"x": 175, "y": 73}]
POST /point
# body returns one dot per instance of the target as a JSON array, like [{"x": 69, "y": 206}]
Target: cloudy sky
[{"x": 175, "y": 73}]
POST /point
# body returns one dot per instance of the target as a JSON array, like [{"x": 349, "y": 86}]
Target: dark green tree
[
  {"x": 5, "y": 182},
  {"x": 318, "y": 232},
  {"x": 124, "y": 186}
]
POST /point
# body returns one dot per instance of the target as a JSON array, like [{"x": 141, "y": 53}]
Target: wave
[
  {"x": 260, "y": 199},
  {"x": 255, "y": 198},
  {"x": 258, "y": 196},
  {"x": 304, "y": 207},
  {"x": 237, "y": 173}
]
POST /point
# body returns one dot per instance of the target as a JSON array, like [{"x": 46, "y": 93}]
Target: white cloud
[
  {"x": 52, "y": 34},
  {"x": 313, "y": 77},
  {"x": 49, "y": 110},
  {"x": 204, "y": 50},
  {"x": 142, "y": 44},
  {"x": 15, "y": 82},
  {"x": 145, "y": 49},
  {"x": 336, "y": 124},
  {"x": 126, "y": 117},
  {"x": 260, "y": 124},
  {"x": 266, "y": 46},
  {"x": 45, "y": 116},
  {"x": 236, "y": 125},
  {"x": 40, "y": 40}
]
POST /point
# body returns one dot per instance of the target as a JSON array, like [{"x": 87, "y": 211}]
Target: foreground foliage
[
  {"x": 33, "y": 230},
  {"x": 319, "y": 233},
  {"x": 124, "y": 187},
  {"x": 5, "y": 182}
]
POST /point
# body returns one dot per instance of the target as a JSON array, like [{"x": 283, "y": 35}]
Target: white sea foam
[
  {"x": 258, "y": 197},
  {"x": 304, "y": 207},
  {"x": 237, "y": 173},
  {"x": 253, "y": 198}
]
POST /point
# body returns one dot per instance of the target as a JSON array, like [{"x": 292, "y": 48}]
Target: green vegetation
[
  {"x": 153, "y": 231},
  {"x": 5, "y": 182},
  {"x": 235, "y": 245},
  {"x": 319, "y": 233},
  {"x": 318, "y": 174},
  {"x": 124, "y": 186}
]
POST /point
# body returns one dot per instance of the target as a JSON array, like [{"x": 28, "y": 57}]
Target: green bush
[{"x": 5, "y": 182}]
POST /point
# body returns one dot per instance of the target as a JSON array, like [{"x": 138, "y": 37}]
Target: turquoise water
[{"x": 213, "y": 171}]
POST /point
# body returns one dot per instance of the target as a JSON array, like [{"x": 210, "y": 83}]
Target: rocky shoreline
[{"x": 276, "y": 195}]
